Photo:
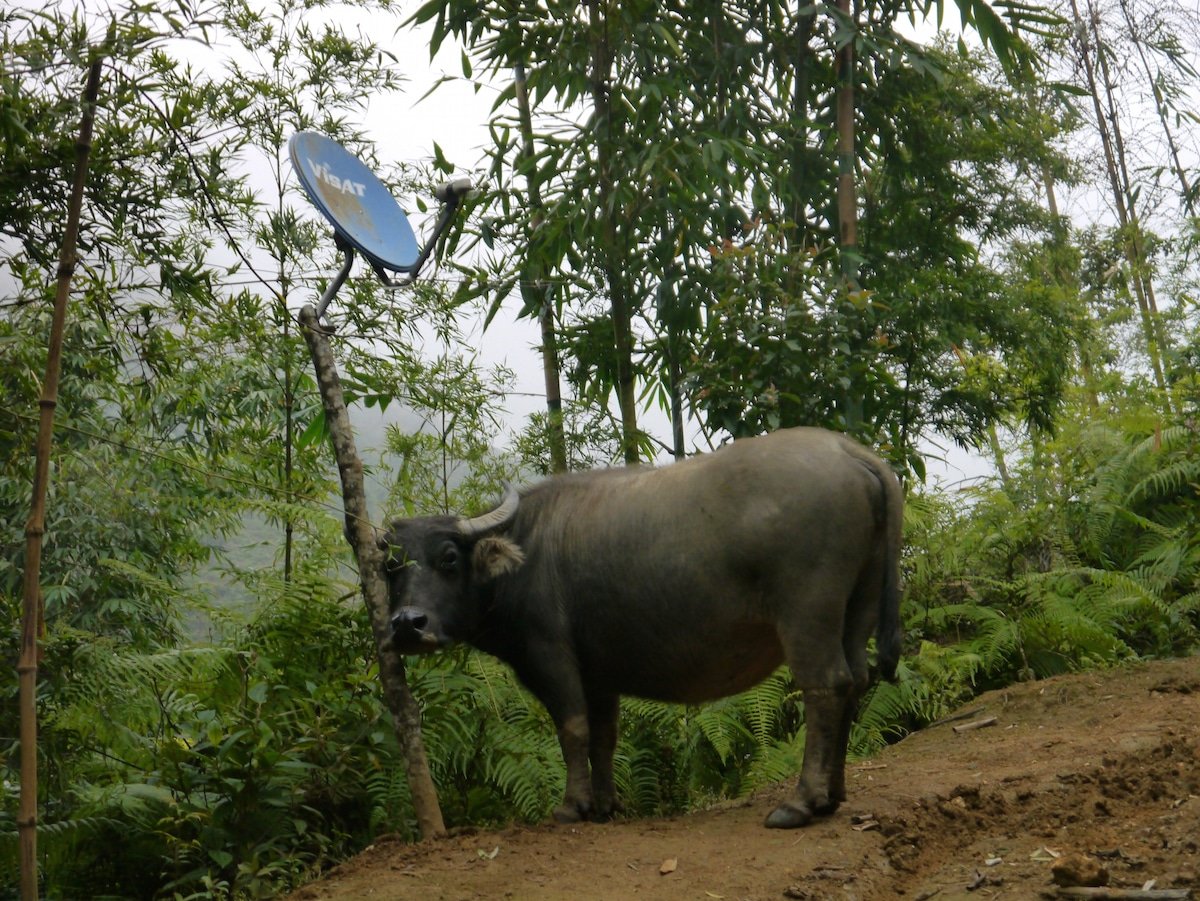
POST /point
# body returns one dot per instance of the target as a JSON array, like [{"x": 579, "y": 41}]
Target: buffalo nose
[{"x": 409, "y": 620}]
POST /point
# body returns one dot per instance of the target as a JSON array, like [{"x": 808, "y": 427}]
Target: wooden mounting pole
[
  {"x": 31, "y": 611},
  {"x": 406, "y": 716}
]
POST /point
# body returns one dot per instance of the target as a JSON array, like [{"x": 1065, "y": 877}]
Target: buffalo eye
[
  {"x": 396, "y": 561},
  {"x": 449, "y": 559}
]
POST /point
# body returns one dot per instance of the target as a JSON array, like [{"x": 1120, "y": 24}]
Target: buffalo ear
[{"x": 495, "y": 556}]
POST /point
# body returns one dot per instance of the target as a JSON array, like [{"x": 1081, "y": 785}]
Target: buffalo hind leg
[
  {"x": 813, "y": 647},
  {"x": 861, "y": 617},
  {"x": 603, "y": 713},
  {"x": 838, "y": 780},
  {"x": 862, "y": 681},
  {"x": 817, "y": 789}
]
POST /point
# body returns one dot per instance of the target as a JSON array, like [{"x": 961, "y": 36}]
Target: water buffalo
[{"x": 684, "y": 583}]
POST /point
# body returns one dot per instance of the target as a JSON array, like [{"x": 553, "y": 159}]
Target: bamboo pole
[
  {"x": 1112, "y": 148},
  {"x": 613, "y": 241},
  {"x": 847, "y": 197},
  {"x": 535, "y": 290},
  {"x": 1161, "y": 106},
  {"x": 406, "y": 716},
  {"x": 31, "y": 613},
  {"x": 847, "y": 201}
]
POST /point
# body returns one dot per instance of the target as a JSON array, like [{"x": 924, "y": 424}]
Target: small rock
[{"x": 1078, "y": 869}]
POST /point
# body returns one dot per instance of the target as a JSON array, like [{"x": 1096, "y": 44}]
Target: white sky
[
  {"x": 405, "y": 128},
  {"x": 456, "y": 116}
]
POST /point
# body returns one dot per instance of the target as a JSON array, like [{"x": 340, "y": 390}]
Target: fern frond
[
  {"x": 1163, "y": 440},
  {"x": 1167, "y": 481},
  {"x": 721, "y": 727},
  {"x": 776, "y": 762},
  {"x": 882, "y": 717},
  {"x": 763, "y": 704}
]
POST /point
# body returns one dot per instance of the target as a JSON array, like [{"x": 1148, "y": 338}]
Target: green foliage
[
  {"x": 1087, "y": 560},
  {"x": 493, "y": 749},
  {"x": 693, "y": 206},
  {"x": 952, "y": 335},
  {"x": 672, "y": 758},
  {"x": 228, "y": 771}
]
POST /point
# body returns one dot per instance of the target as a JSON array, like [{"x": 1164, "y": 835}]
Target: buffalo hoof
[
  {"x": 789, "y": 816},
  {"x": 828, "y": 807},
  {"x": 602, "y": 812},
  {"x": 568, "y": 813}
]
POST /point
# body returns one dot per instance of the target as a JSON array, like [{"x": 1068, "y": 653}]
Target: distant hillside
[{"x": 258, "y": 543}]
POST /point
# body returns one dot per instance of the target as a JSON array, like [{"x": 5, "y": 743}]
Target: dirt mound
[{"x": 1083, "y": 780}]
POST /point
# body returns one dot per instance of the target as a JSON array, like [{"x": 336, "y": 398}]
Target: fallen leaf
[{"x": 1045, "y": 854}]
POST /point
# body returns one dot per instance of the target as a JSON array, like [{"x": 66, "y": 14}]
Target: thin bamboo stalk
[
  {"x": 847, "y": 200},
  {"x": 847, "y": 197},
  {"x": 1120, "y": 190},
  {"x": 1161, "y": 106},
  {"x": 620, "y": 293},
  {"x": 535, "y": 289},
  {"x": 31, "y": 613}
]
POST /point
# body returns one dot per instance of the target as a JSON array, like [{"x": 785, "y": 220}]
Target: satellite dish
[
  {"x": 363, "y": 212},
  {"x": 364, "y": 215}
]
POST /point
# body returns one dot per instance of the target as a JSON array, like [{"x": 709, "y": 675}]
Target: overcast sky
[{"x": 456, "y": 117}]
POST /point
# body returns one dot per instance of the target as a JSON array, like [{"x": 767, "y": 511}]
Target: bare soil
[{"x": 1084, "y": 778}]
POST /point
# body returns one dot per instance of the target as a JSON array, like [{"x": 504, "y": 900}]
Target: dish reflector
[{"x": 357, "y": 204}]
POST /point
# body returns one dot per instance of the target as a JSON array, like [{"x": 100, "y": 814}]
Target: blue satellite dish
[{"x": 358, "y": 205}]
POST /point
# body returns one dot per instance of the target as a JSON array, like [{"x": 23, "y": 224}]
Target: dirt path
[{"x": 1100, "y": 769}]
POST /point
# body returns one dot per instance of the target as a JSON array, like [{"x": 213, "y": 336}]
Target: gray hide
[{"x": 685, "y": 583}]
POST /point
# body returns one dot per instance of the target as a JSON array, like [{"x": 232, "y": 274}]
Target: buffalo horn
[{"x": 494, "y": 519}]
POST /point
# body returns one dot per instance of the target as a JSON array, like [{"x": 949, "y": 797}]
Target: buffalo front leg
[
  {"x": 573, "y": 738},
  {"x": 817, "y": 792},
  {"x": 559, "y": 690}
]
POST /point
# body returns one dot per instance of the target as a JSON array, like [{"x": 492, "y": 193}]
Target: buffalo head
[{"x": 439, "y": 569}]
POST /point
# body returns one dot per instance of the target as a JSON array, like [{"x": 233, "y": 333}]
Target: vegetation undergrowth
[
  {"x": 235, "y": 768},
  {"x": 209, "y": 712}
]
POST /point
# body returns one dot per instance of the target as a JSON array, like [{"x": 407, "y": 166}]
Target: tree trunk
[
  {"x": 1141, "y": 272},
  {"x": 1066, "y": 280},
  {"x": 613, "y": 264},
  {"x": 31, "y": 607},
  {"x": 289, "y": 404},
  {"x": 1160, "y": 104},
  {"x": 1125, "y": 215},
  {"x": 406, "y": 716},
  {"x": 536, "y": 291},
  {"x": 678, "y": 441},
  {"x": 847, "y": 201},
  {"x": 799, "y": 178}
]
